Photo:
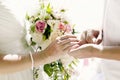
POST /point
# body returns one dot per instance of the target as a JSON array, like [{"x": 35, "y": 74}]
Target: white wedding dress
[
  {"x": 13, "y": 34},
  {"x": 12, "y": 41}
]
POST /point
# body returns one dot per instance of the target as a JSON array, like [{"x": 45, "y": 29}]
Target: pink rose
[
  {"x": 68, "y": 28},
  {"x": 61, "y": 26},
  {"x": 40, "y": 26}
]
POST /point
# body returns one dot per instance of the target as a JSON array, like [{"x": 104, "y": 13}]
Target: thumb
[{"x": 99, "y": 41}]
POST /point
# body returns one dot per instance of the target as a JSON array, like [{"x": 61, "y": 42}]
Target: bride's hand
[{"x": 61, "y": 46}]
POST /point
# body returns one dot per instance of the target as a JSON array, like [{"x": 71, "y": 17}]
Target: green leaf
[
  {"x": 48, "y": 69},
  {"x": 44, "y": 37},
  {"x": 47, "y": 17},
  {"x": 66, "y": 22},
  {"x": 49, "y": 9},
  {"x": 70, "y": 65},
  {"x": 37, "y": 18},
  {"x": 35, "y": 73},
  {"x": 62, "y": 10},
  {"x": 42, "y": 6},
  {"x": 47, "y": 32},
  {"x": 73, "y": 31},
  {"x": 66, "y": 77},
  {"x": 27, "y": 17},
  {"x": 38, "y": 13},
  {"x": 33, "y": 43},
  {"x": 32, "y": 28},
  {"x": 74, "y": 63},
  {"x": 39, "y": 47},
  {"x": 53, "y": 16},
  {"x": 60, "y": 65}
]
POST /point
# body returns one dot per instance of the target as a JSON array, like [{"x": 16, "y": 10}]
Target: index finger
[{"x": 67, "y": 36}]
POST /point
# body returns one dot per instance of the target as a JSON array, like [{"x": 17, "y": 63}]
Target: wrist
[
  {"x": 41, "y": 58},
  {"x": 97, "y": 51}
]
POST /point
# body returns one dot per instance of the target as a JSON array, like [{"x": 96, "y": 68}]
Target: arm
[
  {"x": 109, "y": 52},
  {"x": 87, "y": 50},
  {"x": 12, "y": 63},
  {"x": 92, "y": 50},
  {"x": 57, "y": 49}
]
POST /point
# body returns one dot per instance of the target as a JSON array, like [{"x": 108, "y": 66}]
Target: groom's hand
[
  {"x": 87, "y": 44},
  {"x": 91, "y": 36}
]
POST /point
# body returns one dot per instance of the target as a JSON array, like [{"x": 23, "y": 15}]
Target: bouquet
[{"x": 44, "y": 27}]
